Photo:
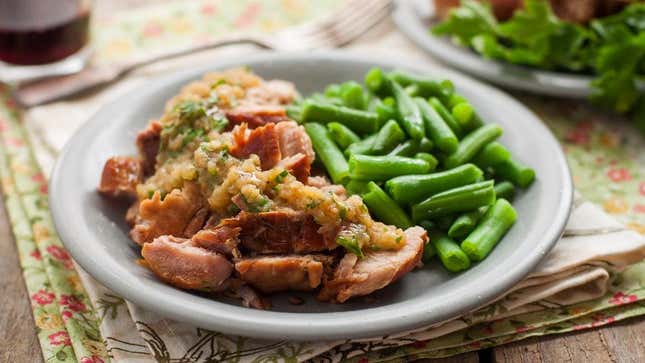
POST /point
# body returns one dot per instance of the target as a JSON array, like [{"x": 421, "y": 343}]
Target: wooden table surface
[{"x": 622, "y": 342}]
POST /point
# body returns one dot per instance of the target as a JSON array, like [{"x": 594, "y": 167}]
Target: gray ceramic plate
[
  {"x": 94, "y": 231},
  {"x": 414, "y": 17}
]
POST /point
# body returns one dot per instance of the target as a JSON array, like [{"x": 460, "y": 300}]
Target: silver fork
[{"x": 337, "y": 30}]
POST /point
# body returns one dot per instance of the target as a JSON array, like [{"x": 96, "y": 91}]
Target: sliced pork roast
[
  {"x": 221, "y": 238},
  {"x": 282, "y": 231},
  {"x": 286, "y": 144},
  {"x": 181, "y": 213},
  {"x": 357, "y": 277},
  {"x": 120, "y": 177},
  {"x": 148, "y": 141},
  {"x": 178, "y": 262},
  {"x": 282, "y": 273},
  {"x": 256, "y": 116}
]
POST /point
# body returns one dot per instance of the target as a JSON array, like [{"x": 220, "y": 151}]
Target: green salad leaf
[{"x": 612, "y": 48}]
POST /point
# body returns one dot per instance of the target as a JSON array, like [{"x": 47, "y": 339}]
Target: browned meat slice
[
  {"x": 222, "y": 239},
  {"x": 294, "y": 140},
  {"x": 280, "y": 273},
  {"x": 262, "y": 141},
  {"x": 503, "y": 9},
  {"x": 274, "y": 92},
  {"x": 298, "y": 165},
  {"x": 132, "y": 214},
  {"x": 282, "y": 231},
  {"x": 120, "y": 177},
  {"x": 256, "y": 116},
  {"x": 354, "y": 277},
  {"x": 181, "y": 264},
  {"x": 578, "y": 11},
  {"x": 148, "y": 141},
  {"x": 197, "y": 222},
  {"x": 172, "y": 216}
]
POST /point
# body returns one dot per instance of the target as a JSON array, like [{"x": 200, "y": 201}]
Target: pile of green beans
[{"x": 417, "y": 152}]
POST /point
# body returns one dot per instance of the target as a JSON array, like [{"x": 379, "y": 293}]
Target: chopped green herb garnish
[
  {"x": 351, "y": 245},
  {"x": 190, "y": 110}
]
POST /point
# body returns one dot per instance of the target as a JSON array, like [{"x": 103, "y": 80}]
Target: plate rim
[
  {"x": 316, "y": 326},
  {"x": 519, "y": 77}
]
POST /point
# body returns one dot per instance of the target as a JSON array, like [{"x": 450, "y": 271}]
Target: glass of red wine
[{"x": 40, "y": 38}]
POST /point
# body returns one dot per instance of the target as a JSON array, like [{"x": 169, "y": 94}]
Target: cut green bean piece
[
  {"x": 356, "y": 187},
  {"x": 446, "y": 116},
  {"x": 463, "y": 112},
  {"x": 376, "y": 81},
  {"x": 427, "y": 225},
  {"x": 408, "y": 148},
  {"x": 466, "y": 222},
  {"x": 362, "y": 147},
  {"x": 353, "y": 95},
  {"x": 386, "y": 112},
  {"x": 294, "y": 113},
  {"x": 327, "y": 151},
  {"x": 409, "y": 113},
  {"x": 342, "y": 134},
  {"x": 388, "y": 137},
  {"x": 444, "y": 222},
  {"x": 489, "y": 231},
  {"x": 428, "y": 252},
  {"x": 384, "y": 208},
  {"x": 362, "y": 122},
  {"x": 333, "y": 90},
  {"x": 379, "y": 168},
  {"x": 413, "y": 188},
  {"x": 412, "y": 90},
  {"x": 449, "y": 252},
  {"x": 455, "y": 200},
  {"x": 473, "y": 143},
  {"x": 491, "y": 154},
  {"x": 425, "y": 145},
  {"x": 436, "y": 128},
  {"x": 429, "y": 158},
  {"x": 426, "y": 86},
  {"x": 455, "y": 99},
  {"x": 505, "y": 190},
  {"x": 515, "y": 172}
]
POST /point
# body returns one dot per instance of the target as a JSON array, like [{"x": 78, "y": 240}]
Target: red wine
[{"x": 39, "y": 32}]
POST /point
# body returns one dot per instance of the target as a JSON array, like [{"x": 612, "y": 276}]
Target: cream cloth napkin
[{"x": 579, "y": 268}]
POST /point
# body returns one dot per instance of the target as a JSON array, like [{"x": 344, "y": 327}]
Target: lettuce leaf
[{"x": 612, "y": 48}]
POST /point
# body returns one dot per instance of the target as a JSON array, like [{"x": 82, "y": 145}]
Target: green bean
[
  {"x": 426, "y": 86},
  {"x": 356, "y": 187},
  {"x": 425, "y": 145},
  {"x": 446, "y": 116},
  {"x": 493, "y": 226},
  {"x": 455, "y": 99},
  {"x": 327, "y": 151},
  {"x": 353, "y": 95},
  {"x": 491, "y": 154},
  {"x": 472, "y": 144},
  {"x": 444, "y": 222},
  {"x": 412, "y": 90},
  {"x": 428, "y": 252},
  {"x": 384, "y": 208},
  {"x": 362, "y": 147},
  {"x": 388, "y": 137},
  {"x": 294, "y": 113},
  {"x": 413, "y": 188},
  {"x": 377, "y": 168},
  {"x": 376, "y": 81},
  {"x": 466, "y": 222},
  {"x": 455, "y": 200},
  {"x": 449, "y": 252},
  {"x": 408, "y": 148},
  {"x": 436, "y": 128},
  {"x": 361, "y": 122},
  {"x": 409, "y": 113},
  {"x": 333, "y": 90},
  {"x": 515, "y": 172},
  {"x": 342, "y": 134},
  {"x": 505, "y": 190},
  {"x": 429, "y": 158},
  {"x": 463, "y": 112},
  {"x": 386, "y": 111}
]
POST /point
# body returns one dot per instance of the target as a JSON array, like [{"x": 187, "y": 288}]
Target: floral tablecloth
[{"x": 606, "y": 155}]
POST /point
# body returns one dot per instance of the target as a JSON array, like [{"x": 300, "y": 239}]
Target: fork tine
[
  {"x": 351, "y": 25},
  {"x": 357, "y": 28},
  {"x": 316, "y": 27}
]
